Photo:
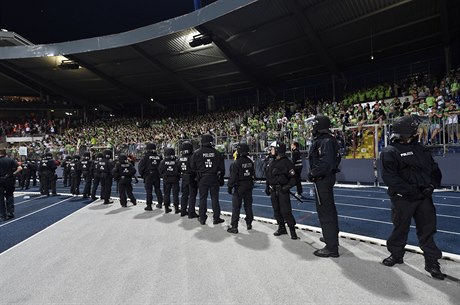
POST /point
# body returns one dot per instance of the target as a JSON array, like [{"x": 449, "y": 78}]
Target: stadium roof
[{"x": 248, "y": 44}]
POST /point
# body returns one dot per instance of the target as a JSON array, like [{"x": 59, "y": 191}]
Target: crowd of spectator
[{"x": 436, "y": 106}]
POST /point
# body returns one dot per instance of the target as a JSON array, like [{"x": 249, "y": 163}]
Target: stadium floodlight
[
  {"x": 68, "y": 64},
  {"x": 200, "y": 40}
]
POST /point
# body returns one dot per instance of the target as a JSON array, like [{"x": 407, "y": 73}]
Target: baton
[
  {"x": 296, "y": 197},
  {"x": 317, "y": 193}
]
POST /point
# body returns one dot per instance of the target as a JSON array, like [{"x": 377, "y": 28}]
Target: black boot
[
  {"x": 183, "y": 213},
  {"x": 435, "y": 270},
  {"x": 392, "y": 260},
  {"x": 167, "y": 209},
  {"x": 233, "y": 230},
  {"x": 281, "y": 230},
  {"x": 148, "y": 207},
  {"x": 293, "y": 233},
  {"x": 158, "y": 206},
  {"x": 176, "y": 209}
]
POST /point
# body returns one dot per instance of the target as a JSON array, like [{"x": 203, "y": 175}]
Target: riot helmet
[
  {"x": 150, "y": 147},
  {"x": 207, "y": 140},
  {"x": 76, "y": 157},
  {"x": 86, "y": 155},
  {"x": 186, "y": 148},
  {"x": 99, "y": 155},
  {"x": 169, "y": 152},
  {"x": 404, "y": 128},
  {"x": 107, "y": 154},
  {"x": 321, "y": 124},
  {"x": 48, "y": 156},
  {"x": 242, "y": 149},
  {"x": 123, "y": 158}
]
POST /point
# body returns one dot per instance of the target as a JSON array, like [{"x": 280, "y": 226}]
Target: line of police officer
[{"x": 409, "y": 171}]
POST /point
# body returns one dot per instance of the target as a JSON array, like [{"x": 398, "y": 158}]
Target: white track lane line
[{"x": 47, "y": 207}]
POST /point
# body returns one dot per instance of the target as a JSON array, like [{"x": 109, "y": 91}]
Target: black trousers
[
  {"x": 242, "y": 193},
  {"x": 47, "y": 182},
  {"x": 281, "y": 203},
  {"x": 151, "y": 182},
  {"x": 125, "y": 189},
  {"x": 75, "y": 180},
  {"x": 65, "y": 177},
  {"x": 25, "y": 179},
  {"x": 168, "y": 188},
  {"x": 298, "y": 180},
  {"x": 189, "y": 190},
  {"x": 87, "y": 187},
  {"x": 327, "y": 212},
  {"x": 424, "y": 214},
  {"x": 106, "y": 186},
  {"x": 6, "y": 199},
  {"x": 95, "y": 184},
  {"x": 209, "y": 184}
]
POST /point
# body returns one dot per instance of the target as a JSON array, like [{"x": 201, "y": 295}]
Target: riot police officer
[
  {"x": 26, "y": 174},
  {"x": 75, "y": 175},
  {"x": 47, "y": 170},
  {"x": 298, "y": 165},
  {"x": 148, "y": 169},
  {"x": 105, "y": 167},
  {"x": 208, "y": 164},
  {"x": 411, "y": 174},
  {"x": 123, "y": 172},
  {"x": 240, "y": 185},
  {"x": 95, "y": 175},
  {"x": 8, "y": 169},
  {"x": 169, "y": 170},
  {"x": 280, "y": 179},
  {"x": 86, "y": 166},
  {"x": 189, "y": 187},
  {"x": 66, "y": 170},
  {"x": 324, "y": 159}
]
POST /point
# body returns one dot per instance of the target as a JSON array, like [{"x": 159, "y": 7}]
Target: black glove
[
  {"x": 428, "y": 191},
  {"x": 229, "y": 190},
  {"x": 285, "y": 188},
  {"x": 267, "y": 191},
  {"x": 311, "y": 178}
]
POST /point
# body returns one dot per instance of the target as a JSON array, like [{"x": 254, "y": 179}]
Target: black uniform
[
  {"x": 324, "y": 160},
  {"x": 95, "y": 175},
  {"x": 240, "y": 185},
  {"x": 27, "y": 168},
  {"x": 33, "y": 172},
  {"x": 105, "y": 167},
  {"x": 8, "y": 167},
  {"x": 86, "y": 168},
  {"x": 189, "y": 186},
  {"x": 123, "y": 172},
  {"x": 280, "y": 179},
  {"x": 408, "y": 169},
  {"x": 208, "y": 164},
  {"x": 66, "y": 170},
  {"x": 75, "y": 175},
  {"x": 47, "y": 171},
  {"x": 169, "y": 170},
  {"x": 298, "y": 165},
  {"x": 148, "y": 169}
]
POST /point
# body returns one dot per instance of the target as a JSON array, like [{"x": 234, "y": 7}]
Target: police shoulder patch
[{"x": 292, "y": 172}]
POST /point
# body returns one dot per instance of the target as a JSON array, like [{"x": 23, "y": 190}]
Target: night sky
[{"x": 48, "y": 21}]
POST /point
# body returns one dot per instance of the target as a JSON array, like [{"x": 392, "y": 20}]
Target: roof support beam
[
  {"x": 119, "y": 85},
  {"x": 307, "y": 27},
  {"x": 72, "y": 96},
  {"x": 242, "y": 67},
  {"x": 173, "y": 76}
]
